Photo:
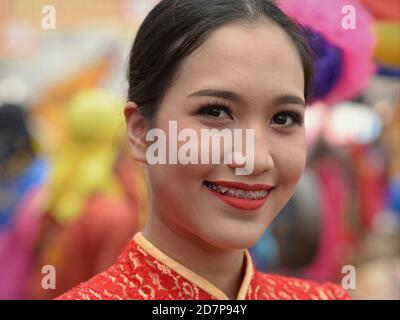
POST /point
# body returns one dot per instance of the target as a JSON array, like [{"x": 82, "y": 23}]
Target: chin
[{"x": 233, "y": 239}]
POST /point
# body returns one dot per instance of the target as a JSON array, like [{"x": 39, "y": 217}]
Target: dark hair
[
  {"x": 14, "y": 134},
  {"x": 176, "y": 28}
]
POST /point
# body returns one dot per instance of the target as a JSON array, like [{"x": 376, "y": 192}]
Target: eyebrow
[
  {"x": 235, "y": 97},
  {"x": 228, "y": 95}
]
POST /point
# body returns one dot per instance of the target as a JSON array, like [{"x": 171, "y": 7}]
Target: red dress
[{"x": 144, "y": 272}]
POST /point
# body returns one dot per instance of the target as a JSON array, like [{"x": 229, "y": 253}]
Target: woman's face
[{"x": 260, "y": 64}]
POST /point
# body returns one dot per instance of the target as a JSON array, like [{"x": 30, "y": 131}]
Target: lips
[{"x": 240, "y": 195}]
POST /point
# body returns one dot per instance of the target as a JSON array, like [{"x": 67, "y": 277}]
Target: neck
[{"x": 227, "y": 269}]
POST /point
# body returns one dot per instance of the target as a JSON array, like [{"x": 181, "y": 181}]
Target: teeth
[
  {"x": 222, "y": 189},
  {"x": 264, "y": 193},
  {"x": 238, "y": 193},
  {"x": 249, "y": 194}
]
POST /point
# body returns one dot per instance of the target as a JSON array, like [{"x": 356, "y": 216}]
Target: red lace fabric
[{"x": 143, "y": 272}]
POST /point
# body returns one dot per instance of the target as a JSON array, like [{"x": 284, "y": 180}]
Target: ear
[{"x": 137, "y": 127}]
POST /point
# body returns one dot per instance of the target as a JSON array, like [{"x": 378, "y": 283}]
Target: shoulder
[
  {"x": 121, "y": 281},
  {"x": 280, "y": 287}
]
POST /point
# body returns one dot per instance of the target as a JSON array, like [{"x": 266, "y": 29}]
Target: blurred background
[{"x": 72, "y": 197}]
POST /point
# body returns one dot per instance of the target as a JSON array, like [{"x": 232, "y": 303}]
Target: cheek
[
  {"x": 185, "y": 179},
  {"x": 178, "y": 178},
  {"x": 176, "y": 194},
  {"x": 290, "y": 162}
]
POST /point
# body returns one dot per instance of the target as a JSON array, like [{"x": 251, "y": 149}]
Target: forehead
[{"x": 256, "y": 60}]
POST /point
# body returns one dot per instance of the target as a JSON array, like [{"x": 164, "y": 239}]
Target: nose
[
  {"x": 259, "y": 153},
  {"x": 263, "y": 160}
]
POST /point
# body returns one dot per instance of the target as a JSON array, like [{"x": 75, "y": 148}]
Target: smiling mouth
[
  {"x": 240, "y": 195},
  {"x": 233, "y": 191}
]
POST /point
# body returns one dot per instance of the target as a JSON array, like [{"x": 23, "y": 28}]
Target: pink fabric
[
  {"x": 326, "y": 265},
  {"x": 357, "y": 44},
  {"x": 16, "y": 245}
]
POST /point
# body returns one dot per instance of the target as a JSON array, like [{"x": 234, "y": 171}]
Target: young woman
[{"x": 223, "y": 64}]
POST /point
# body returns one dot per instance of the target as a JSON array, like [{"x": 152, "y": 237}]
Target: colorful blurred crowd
[{"x": 71, "y": 196}]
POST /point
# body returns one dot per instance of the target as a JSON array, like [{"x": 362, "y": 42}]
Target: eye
[
  {"x": 215, "y": 110},
  {"x": 287, "y": 119}
]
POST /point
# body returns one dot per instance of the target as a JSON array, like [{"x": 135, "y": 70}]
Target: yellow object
[
  {"x": 387, "y": 51},
  {"x": 85, "y": 163}
]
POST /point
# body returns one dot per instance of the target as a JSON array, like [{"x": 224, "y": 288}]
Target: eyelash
[
  {"x": 215, "y": 105},
  {"x": 296, "y": 116}
]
